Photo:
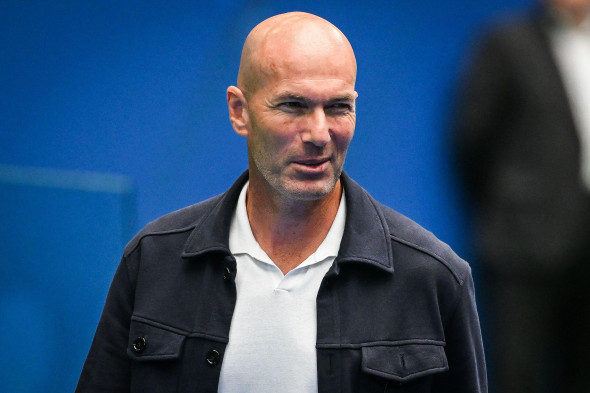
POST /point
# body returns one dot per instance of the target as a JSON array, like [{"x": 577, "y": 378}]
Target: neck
[{"x": 290, "y": 230}]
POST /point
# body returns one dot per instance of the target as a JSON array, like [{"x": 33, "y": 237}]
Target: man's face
[
  {"x": 302, "y": 120},
  {"x": 577, "y": 8}
]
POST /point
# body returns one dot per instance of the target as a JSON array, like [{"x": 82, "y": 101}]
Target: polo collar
[{"x": 366, "y": 237}]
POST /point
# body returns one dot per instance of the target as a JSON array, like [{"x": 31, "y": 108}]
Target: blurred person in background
[{"x": 523, "y": 147}]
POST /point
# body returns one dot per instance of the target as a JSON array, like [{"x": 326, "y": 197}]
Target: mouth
[{"x": 313, "y": 164}]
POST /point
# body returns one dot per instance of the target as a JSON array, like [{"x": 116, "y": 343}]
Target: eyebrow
[{"x": 298, "y": 97}]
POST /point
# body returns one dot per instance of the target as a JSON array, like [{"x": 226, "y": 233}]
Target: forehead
[
  {"x": 305, "y": 73},
  {"x": 309, "y": 89},
  {"x": 302, "y": 65},
  {"x": 305, "y": 58}
]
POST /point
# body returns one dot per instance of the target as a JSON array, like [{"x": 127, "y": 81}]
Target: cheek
[
  {"x": 281, "y": 134},
  {"x": 343, "y": 143},
  {"x": 272, "y": 143},
  {"x": 343, "y": 133}
]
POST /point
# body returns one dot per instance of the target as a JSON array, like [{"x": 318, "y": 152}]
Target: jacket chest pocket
[
  {"x": 402, "y": 368},
  {"x": 155, "y": 352}
]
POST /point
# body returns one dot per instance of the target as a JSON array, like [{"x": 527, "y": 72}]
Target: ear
[{"x": 236, "y": 103}]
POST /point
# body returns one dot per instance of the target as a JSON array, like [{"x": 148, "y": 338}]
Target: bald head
[{"x": 275, "y": 45}]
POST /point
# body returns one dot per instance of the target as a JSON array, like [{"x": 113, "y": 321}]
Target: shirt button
[
  {"x": 139, "y": 344},
  {"x": 213, "y": 357}
]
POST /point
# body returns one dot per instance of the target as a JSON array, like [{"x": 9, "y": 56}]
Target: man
[
  {"x": 294, "y": 280},
  {"x": 523, "y": 139}
]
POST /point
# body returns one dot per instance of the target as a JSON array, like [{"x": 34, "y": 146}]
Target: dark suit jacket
[{"x": 519, "y": 151}]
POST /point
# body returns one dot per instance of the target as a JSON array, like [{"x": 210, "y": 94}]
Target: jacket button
[
  {"x": 227, "y": 274},
  {"x": 213, "y": 357},
  {"x": 139, "y": 344}
]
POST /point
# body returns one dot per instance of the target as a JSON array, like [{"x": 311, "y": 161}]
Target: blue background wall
[{"x": 137, "y": 88}]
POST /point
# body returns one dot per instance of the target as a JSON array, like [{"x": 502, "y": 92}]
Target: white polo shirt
[{"x": 274, "y": 326}]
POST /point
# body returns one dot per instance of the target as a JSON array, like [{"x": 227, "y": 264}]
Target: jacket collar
[{"x": 366, "y": 237}]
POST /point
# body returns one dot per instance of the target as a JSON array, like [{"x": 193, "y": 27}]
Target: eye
[
  {"x": 339, "y": 108},
  {"x": 292, "y": 106}
]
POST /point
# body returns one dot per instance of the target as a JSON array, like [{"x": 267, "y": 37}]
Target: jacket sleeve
[
  {"x": 464, "y": 348},
  {"x": 107, "y": 366}
]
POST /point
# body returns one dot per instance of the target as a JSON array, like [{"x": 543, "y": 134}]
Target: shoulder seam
[
  {"x": 156, "y": 233},
  {"x": 140, "y": 236},
  {"x": 460, "y": 280}
]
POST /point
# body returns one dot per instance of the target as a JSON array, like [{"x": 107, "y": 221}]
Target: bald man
[{"x": 295, "y": 279}]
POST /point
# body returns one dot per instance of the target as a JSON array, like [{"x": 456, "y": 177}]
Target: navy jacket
[{"x": 395, "y": 312}]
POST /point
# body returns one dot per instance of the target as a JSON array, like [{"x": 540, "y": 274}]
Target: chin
[
  {"x": 307, "y": 192},
  {"x": 297, "y": 187}
]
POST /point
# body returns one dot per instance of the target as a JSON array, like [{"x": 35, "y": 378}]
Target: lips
[{"x": 312, "y": 162}]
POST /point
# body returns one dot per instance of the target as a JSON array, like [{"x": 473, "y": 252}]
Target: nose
[{"x": 317, "y": 130}]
